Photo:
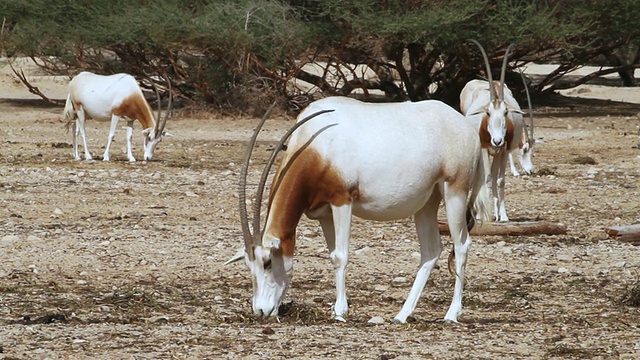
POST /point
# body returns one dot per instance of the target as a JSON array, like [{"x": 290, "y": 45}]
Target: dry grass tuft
[
  {"x": 632, "y": 297},
  {"x": 584, "y": 160}
]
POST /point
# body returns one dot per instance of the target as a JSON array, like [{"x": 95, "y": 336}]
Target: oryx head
[
  {"x": 526, "y": 159},
  {"x": 271, "y": 271},
  {"x": 153, "y": 136},
  {"x": 497, "y": 110}
]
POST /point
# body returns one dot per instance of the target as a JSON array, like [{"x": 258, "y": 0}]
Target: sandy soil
[{"x": 114, "y": 260}]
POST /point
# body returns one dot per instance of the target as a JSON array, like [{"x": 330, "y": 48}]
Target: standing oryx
[
  {"x": 111, "y": 97},
  {"x": 375, "y": 161},
  {"x": 494, "y": 109}
]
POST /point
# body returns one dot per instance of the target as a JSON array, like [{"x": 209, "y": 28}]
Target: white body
[
  {"x": 378, "y": 162},
  {"x": 106, "y": 98},
  {"x": 501, "y": 126}
]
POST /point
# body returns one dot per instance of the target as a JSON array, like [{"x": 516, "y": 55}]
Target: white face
[
  {"x": 497, "y": 124},
  {"x": 526, "y": 159},
  {"x": 270, "y": 274},
  {"x": 150, "y": 145}
]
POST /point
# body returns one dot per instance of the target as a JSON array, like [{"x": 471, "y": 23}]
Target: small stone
[
  {"x": 376, "y": 320},
  {"x": 161, "y": 319},
  {"x": 364, "y": 250},
  {"x": 399, "y": 280},
  {"x": 563, "y": 270},
  {"x": 82, "y": 282},
  {"x": 57, "y": 211},
  {"x": 565, "y": 257},
  {"x": 191, "y": 194},
  {"x": 9, "y": 239},
  {"x": 381, "y": 288}
]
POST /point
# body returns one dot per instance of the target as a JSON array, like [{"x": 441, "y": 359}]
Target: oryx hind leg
[
  {"x": 426, "y": 220},
  {"x": 456, "y": 206},
  {"x": 80, "y": 123}
]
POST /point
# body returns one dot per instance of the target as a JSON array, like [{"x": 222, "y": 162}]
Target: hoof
[{"x": 339, "y": 319}]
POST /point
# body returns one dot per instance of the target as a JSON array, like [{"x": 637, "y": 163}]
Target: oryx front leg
[
  {"x": 501, "y": 182},
  {"x": 514, "y": 171},
  {"x": 129, "y": 136},
  {"x": 430, "y": 250},
  {"x": 455, "y": 203},
  {"x": 112, "y": 134},
  {"x": 497, "y": 185},
  {"x": 340, "y": 256}
]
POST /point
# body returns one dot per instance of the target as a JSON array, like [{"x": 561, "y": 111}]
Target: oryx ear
[
  {"x": 237, "y": 257},
  {"x": 146, "y": 131},
  {"x": 517, "y": 111},
  {"x": 481, "y": 110}
]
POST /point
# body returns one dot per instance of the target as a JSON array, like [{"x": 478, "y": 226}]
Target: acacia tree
[{"x": 240, "y": 55}]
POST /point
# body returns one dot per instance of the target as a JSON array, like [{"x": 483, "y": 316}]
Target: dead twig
[{"x": 33, "y": 89}]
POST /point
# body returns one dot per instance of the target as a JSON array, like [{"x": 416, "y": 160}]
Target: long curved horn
[
  {"x": 530, "y": 137},
  {"x": 242, "y": 188},
  {"x": 162, "y": 122},
  {"x": 503, "y": 70},
  {"x": 265, "y": 173},
  {"x": 492, "y": 90}
]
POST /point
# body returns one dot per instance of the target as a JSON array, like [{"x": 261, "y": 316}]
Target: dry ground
[{"x": 125, "y": 260}]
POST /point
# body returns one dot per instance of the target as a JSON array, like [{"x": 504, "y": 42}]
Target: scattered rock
[
  {"x": 363, "y": 250},
  {"x": 9, "y": 239},
  {"x": 376, "y": 320}
]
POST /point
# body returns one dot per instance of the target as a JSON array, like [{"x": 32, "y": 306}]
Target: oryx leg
[
  {"x": 500, "y": 162},
  {"x": 426, "y": 220},
  {"x": 338, "y": 244},
  {"x": 112, "y": 134},
  {"x": 456, "y": 206},
  {"x": 79, "y": 126},
  {"x": 514, "y": 171},
  {"x": 74, "y": 137},
  {"x": 129, "y": 136}
]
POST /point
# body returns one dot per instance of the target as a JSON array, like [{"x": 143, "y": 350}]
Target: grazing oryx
[
  {"x": 375, "y": 161},
  {"x": 525, "y": 149},
  {"x": 498, "y": 115},
  {"x": 109, "y": 98}
]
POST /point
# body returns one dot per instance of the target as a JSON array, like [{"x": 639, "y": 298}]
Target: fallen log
[
  {"x": 624, "y": 233},
  {"x": 523, "y": 228}
]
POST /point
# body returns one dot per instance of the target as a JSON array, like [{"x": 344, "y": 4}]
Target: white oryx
[
  {"x": 525, "y": 149},
  {"x": 111, "y": 97},
  {"x": 375, "y": 161},
  {"x": 499, "y": 118}
]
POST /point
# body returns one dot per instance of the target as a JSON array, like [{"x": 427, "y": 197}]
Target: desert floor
[{"x": 115, "y": 260}]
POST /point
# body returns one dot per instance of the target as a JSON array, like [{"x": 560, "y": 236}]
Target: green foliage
[{"x": 241, "y": 54}]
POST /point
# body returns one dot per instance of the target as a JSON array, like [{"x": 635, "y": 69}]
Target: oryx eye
[{"x": 267, "y": 264}]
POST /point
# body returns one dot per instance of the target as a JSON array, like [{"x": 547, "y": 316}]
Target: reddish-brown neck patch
[
  {"x": 136, "y": 107},
  {"x": 305, "y": 183},
  {"x": 485, "y": 136}
]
